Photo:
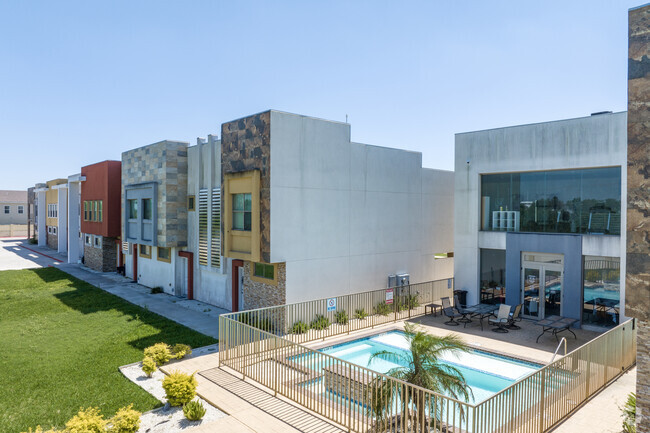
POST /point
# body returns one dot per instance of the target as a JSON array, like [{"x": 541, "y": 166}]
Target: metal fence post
[
  {"x": 408, "y": 302},
  {"x": 542, "y": 400}
]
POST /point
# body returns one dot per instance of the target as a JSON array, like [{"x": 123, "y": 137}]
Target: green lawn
[{"x": 61, "y": 343}]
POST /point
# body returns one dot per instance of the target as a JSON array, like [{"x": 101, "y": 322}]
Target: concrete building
[
  {"x": 13, "y": 213},
  {"x": 307, "y": 213},
  {"x": 637, "y": 296},
  {"x": 100, "y": 214},
  {"x": 540, "y": 217},
  {"x": 52, "y": 216},
  {"x": 31, "y": 213}
]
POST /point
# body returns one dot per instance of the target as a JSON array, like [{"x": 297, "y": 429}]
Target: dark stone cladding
[
  {"x": 245, "y": 146},
  {"x": 53, "y": 241},
  {"x": 102, "y": 259}
]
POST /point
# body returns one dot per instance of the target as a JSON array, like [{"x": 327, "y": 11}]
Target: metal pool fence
[{"x": 265, "y": 346}]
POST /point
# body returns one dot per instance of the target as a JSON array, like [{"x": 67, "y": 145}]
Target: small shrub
[
  {"x": 159, "y": 352},
  {"x": 629, "y": 414},
  {"x": 342, "y": 317},
  {"x": 89, "y": 420},
  {"x": 360, "y": 313},
  {"x": 126, "y": 420},
  {"x": 33, "y": 241},
  {"x": 180, "y": 388},
  {"x": 383, "y": 309},
  {"x": 320, "y": 322},
  {"x": 413, "y": 301},
  {"x": 180, "y": 351},
  {"x": 156, "y": 290},
  {"x": 149, "y": 366},
  {"x": 256, "y": 322},
  {"x": 193, "y": 410},
  {"x": 299, "y": 327}
]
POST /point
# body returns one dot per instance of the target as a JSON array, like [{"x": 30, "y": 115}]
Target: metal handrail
[{"x": 563, "y": 340}]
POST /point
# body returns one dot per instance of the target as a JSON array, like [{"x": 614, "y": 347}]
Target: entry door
[
  {"x": 530, "y": 292},
  {"x": 542, "y": 285}
]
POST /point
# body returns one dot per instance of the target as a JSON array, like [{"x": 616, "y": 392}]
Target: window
[
  {"x": 49, "y": 229},
  {"x": 53, "y": 230},
  {"x": 100, "y": 211},
  {"x": 98, "y": 241},
  {"x": 241, "y": 212},
  {"x": 561, "y": 201},
  {"x": 147, "y": 209},
  {"x": 493, "y": 276},
  {"x": 21, "y": 209},
  {"x": 133, "y": 209},
  {"x": 443, "y": 255},
  {"x": 7, "y": 209},
  {"x": 215, "y": 242},
  {"x": 602, "y": 291},
  {"x": 165, "y": 254},
  {"x": 190, "y": 202},
  {"x": 88, "y": 240},
  {"x": 95, "y": 205},
  {"x": 86, "y": 211},
  {"x": 52, "y": 210},
  {"x": 145, "y": 251},
  {"x": 263, "y": 270}
]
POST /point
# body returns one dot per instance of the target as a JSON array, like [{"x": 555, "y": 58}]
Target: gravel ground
[{"x": 166, "y": 419}]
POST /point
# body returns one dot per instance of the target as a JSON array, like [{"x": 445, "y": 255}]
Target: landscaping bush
[
  {"x": 629, "y": 414},
  {"x": 180, "y": 351},
  {"x": 180, "y": 388},
  {"x": 256, "y": 322},
  {"x": 193, "y": 410},
  {"x": 33, "y": 241},
  {"x": 89, "y": 420},
  {"x": 383, "y": 309},
  {"x": 360, "y": 313},
  {"x": 320, "y": 323},
  {"x": 148, "y": 366},
  {"x": 342, "y": 317},
  {"x": 299, "y": 327},
  {"x": 159, "y": 352},
  {"x": 156, "y": 290},
  {"x": 126, "y": 420},
  {"x": 413, "y": 301}
]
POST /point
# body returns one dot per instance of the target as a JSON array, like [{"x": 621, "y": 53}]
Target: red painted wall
[{"x": 103, "y": 182}]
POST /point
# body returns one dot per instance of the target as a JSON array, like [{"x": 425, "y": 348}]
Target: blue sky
[{"x": 81, "y": 82}]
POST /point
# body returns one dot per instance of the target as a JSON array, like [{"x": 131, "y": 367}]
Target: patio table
[
  {"x": 481, "y": 311},
  {"x": 556, "y": 324}
]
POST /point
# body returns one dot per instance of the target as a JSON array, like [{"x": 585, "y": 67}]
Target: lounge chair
[
  {"x": 448, "y": 311},
  {"x": 501, "y": 320},
  {"x": 460, "y": 310},
  {"x": 515, "y": 316}
]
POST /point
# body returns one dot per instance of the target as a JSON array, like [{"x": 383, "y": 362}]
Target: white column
[
  {"x": 62, "y": 230},
  {"x": 42, "y": 213},
  {"x": 74, "y": 253}
]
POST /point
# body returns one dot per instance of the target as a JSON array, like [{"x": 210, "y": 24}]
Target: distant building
[
  {"x": 13, "y": 213},
  {"x": 55, "y": 213}
]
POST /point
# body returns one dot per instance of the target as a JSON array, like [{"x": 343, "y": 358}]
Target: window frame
[
  {"x": 265, "y": 267},
  {"x": 21, "y": 209},
  {"x": 162, "y": 259},
  {"x": 243, "y": 212},
  {"x": 7, "y": 209},
  {"x": 191, "y": 203},
  {"x": 142, "y": 254},
  {"x": 97, "y": 241},
  {"x": 88, "y": 240}
]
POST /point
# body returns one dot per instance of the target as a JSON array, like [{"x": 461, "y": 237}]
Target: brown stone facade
[
  {"x": 637, "y": 279},
  {"x": 245, "y": 146},
  {"x": 165, "y": 163},
  {"x": 259, "y": 295},
  {"x": 53, "y": 241},
  {"x": 102, "y": 259}
]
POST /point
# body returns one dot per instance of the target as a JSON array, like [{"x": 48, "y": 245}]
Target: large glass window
[
  {"x": 241, "y": 212},
  {"x": 562, "y": 201},
  {"x": 602, "y": 290},
  {"x": 133, "y": 209},
  {"x": 493, "y": 276},
  {"x": 263, "y": 270}
]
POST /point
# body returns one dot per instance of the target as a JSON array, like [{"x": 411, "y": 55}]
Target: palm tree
[{"x": 420, "y": 366}]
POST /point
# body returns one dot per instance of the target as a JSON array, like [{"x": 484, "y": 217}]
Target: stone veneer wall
[
  {"x": 52, "y": 241},
  {"x": 260, "y": 295},
  {"x": 164, "y": 162},
  {"x": 102, "y": 259},
  {"x": 637, "y": 279},
  {"x": 246, "y": 145}
]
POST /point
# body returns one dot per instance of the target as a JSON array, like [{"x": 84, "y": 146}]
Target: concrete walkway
[{"x": 199, "y": 316}]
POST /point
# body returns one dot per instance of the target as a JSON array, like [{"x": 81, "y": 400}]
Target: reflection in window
[
  {"x": 602, "y": 290},
  {"x": 562, "y": 201},
  {"x": 133, "y": 209},
  {"x": 493, "y": 276},
  {"x": 241, "y": 212},
  {"x": 147, "y": 209}
]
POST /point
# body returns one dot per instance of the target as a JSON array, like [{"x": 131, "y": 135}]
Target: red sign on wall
[{"x": 389, "y": 296}]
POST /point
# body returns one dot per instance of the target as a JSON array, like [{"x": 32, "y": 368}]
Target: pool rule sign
[
  {"x": 389, "y": 296},
  {"x": 331, "y": 304}
]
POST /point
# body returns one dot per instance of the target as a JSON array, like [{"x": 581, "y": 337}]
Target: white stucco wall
[
  {"x": 155, "y": 273},
  {"x": 346, "y": 215},
  {"x": 588, "y": 142}
]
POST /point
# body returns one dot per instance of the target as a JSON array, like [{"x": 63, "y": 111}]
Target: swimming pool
[{"x": 485, "y": 373}]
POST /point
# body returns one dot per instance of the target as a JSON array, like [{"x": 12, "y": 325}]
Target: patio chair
[
  {"x": 501, "y": 320},
  {"x": 462, "y": 311},
  {"x": 449, "y": 312},
  {"x": 515, "y": 316}
]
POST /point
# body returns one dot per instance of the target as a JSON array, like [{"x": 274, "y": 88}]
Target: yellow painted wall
[{"x": 52, "y": 197}]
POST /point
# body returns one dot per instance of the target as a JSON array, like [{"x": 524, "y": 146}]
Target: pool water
[{"x": 485, "y": 373}]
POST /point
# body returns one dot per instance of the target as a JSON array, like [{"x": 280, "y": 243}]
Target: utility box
[
  {"x": 392, "y": 281},
  {"x": 403, "y": 279}
]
